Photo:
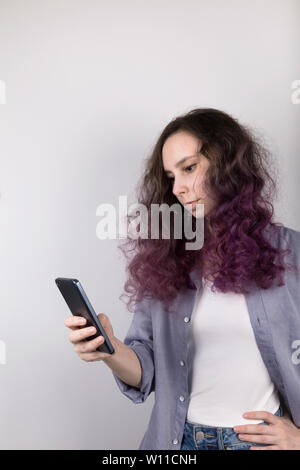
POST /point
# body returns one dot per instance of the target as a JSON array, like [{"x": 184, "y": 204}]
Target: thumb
[
  {"x": 105, "y": 322},
  {"x": 102, "y": 318}
]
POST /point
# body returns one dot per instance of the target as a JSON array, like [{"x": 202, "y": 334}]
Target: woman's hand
[
  {"x": 280, "y": 434},
  {"x": 79, "y": 337}
]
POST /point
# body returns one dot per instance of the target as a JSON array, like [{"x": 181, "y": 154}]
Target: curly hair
[{"x": 236, "y": 245}]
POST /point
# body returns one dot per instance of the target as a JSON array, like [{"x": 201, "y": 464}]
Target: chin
[{"x": 200, "y": 216}]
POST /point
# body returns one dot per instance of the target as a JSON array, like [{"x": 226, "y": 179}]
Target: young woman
[{"x": 215, "y": 331}]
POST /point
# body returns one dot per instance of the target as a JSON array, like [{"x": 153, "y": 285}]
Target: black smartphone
[{"x": 77, "y": 301}]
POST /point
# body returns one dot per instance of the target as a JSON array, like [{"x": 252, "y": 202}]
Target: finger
[
  {"x": 254, "y": 429},
  {"x": 257, "y": 438},
  {"x": 264, "y": 415},
  {"x": 264, "y": 448},
  {"x": 104, "y": 320},
  {"x": 80, "y": 334},
  {"x": 74, "y": 322},
  {"x": 88, "y": 346},
  {"x": 93, "y": 356}
]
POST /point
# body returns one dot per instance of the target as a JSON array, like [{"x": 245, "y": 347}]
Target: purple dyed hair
[{"x": 236, "y": 246}]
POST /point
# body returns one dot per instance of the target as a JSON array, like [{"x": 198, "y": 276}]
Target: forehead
[{"x": 179, "y": 145}]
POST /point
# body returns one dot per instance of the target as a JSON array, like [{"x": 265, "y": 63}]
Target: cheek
[{"x": 198, "y": 183}]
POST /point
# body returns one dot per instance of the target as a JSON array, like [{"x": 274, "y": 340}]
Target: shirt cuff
[{"x": 147, "y": 385}]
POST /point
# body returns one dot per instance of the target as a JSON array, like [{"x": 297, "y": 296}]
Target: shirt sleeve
[{"x": 139, "y": 338}]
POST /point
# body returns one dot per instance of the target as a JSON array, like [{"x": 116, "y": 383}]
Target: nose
[{"x": 179, "y": 188}]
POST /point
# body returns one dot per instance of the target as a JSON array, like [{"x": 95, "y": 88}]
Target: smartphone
[{"x": 79, "y": 304}]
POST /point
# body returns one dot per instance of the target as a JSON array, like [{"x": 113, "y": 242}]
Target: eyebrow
[{"x": 181, "y": 161}]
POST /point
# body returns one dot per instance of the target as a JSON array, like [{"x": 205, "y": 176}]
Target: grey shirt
[{"x": 160, "y": 341}]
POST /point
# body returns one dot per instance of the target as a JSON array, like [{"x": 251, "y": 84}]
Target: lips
[{"x": 192, "y": 202}]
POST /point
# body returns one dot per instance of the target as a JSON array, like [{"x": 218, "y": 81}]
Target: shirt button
[
  {"x": 175, "y": 441},
  {"x": 181, "y": 398},
  {"x": 186, "y": 319},
  {"x": 182, "y": 363}
]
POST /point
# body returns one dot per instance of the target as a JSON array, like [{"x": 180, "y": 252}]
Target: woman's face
[{"x": 187, "y": 176}]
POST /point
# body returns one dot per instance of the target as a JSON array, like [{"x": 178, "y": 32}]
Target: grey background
[{"x": 90, "y": 85}]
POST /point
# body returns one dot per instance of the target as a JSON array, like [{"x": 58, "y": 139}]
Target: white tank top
[{"x": 227, "y": 375}]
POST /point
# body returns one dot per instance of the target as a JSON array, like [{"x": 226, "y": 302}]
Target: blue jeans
[{"x": 200, "y": 437}]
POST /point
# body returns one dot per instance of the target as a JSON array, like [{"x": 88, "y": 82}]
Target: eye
[
  {"x": 190, "y": 166},
  {"x": 186, "y": 169}
]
